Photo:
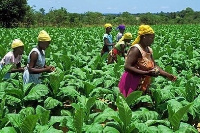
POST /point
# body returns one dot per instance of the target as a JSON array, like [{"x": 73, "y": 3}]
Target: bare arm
[
  {"x": 17, "y": 69},
  {"x": 164, "y": 73},
  {"x": 107, "y": 43},
  {"x": 123, "y": 49},
  {"x": 33, "y": 60}
]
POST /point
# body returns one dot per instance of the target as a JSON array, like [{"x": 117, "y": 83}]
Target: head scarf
[
  {"x": 143, "y": 29},
  {"x": 16, "y": 43},
  {"x": 44, "y": 36},
  {"x": 107, "y": 25},
  {"x": 127, "y": 35},
  {"x": 121, "y": 27}
]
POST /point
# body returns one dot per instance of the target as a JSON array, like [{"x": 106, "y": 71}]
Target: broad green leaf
[
  {"x": 108, "y": 129},
  {"x": 105, "y": 115},
  {"x": 37, "y": 92},
  {"x": 78, "y": 120},
  {"x": 43, "y": 114},
  {"x": 51, "y": 103},
  {"x": 133, "y": 97},
  {"x": 27, "y": 111},
  {"x": 164, "y": 129},
  {"x": 93, "y": 128},
  {"x": 177, "y": 116},
  {"x": 125, "y": 113},
  {"x": 69, "y": 91},
  {"x": 29, "y": 124},
  {"x": 8, "y": 130},
  {"x": 15, "y": 119},
  {"x": 57, "y": 119}
]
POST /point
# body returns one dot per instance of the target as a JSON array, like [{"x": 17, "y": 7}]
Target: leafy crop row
[{"x": 82, "y": 95}]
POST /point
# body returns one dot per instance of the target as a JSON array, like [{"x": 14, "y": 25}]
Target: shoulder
[
  {"x": 9, "y": 55},
  {"x": 105, "y": 35},
  {"x": 134, "y": 49},
  {"x": 150, "y": 50},
  {"x": 119, "y": 34},
  {"x": 121, "y": 43}
]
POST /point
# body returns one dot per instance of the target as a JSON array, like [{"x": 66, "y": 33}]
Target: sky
[{"x": 116, "y": 6}]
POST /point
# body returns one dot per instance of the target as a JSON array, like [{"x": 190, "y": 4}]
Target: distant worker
[
  {"x": 36, "y": 60},
  {"x": 121, "y": 29},
  {"x": 119, "y": 48},
  {"x": 107, "y": 39},
  {"x": 14, "y": 57}
]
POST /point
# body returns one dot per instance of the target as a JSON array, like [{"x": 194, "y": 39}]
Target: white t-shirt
[{"x": 9, "y": 58}]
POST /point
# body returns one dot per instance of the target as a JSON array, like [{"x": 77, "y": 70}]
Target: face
[
  {"x": 19, "y": 50},
  {"x": 127, "y": 40},
  {"x": 109, "y": 29},
  {"x": 122, "y": 30},
  {"x": 148, "y": 39},
  {"x": 44, "y": 45}
]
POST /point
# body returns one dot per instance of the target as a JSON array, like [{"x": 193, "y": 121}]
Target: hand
[
  {"x": 153, "y": 73},
  {"x": 50, "y": 68},
  {"x": 21, "y": 69},
  {"x": 171, "y": 77}
]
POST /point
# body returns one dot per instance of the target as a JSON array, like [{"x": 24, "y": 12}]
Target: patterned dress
[
  {"x": 34, "y": 78},
  {"x": 130, "y": 82}
]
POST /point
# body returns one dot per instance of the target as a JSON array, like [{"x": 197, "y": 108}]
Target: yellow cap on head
[
  {"x": 44, "y": 36},
  {"x": 143, "y": 29},
  {"x": 128, "y": 35},
  {"x": 107, "y": 25},
  {"x": 17, "y": 43}
]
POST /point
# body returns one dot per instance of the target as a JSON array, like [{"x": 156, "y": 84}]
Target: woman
[
  {"x": 140, "y": 65},
  {"x": 121, "y": 29},
  {"x": 119, "y": 48},
  {"x": 14, "y": 57},
  {"x": 36, "y": 60},
  {"x": 107, "y": 39}
]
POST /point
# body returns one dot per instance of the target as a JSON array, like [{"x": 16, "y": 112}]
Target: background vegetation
[{"x": 19, "y": 13}]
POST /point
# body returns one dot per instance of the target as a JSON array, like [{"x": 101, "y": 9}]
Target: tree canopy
[{"x": 12, "y": 12}]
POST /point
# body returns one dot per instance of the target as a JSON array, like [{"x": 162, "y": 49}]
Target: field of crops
[{"x": 82, "y": 94}]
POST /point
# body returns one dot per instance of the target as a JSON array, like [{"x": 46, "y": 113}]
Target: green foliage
[
  {"x": 12, "y": 11},
  {"x": 82, "y": 95},
  {"x": 175, "y": 117}
]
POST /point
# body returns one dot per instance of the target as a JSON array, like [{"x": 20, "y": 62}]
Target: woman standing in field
[
  {"x": 140, "y": 65},
  {"x": 121, "y": 29},
  {"x": 14, "y": 57},
  {"x": 119, "y": 48},
  {"x": 36, "y": 60},
  {"x": 107, "y": 39}
]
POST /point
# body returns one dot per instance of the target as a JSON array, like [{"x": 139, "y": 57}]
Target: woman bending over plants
[
  {"x": 140, "y": 65},
  {"x": 36, "y": 60},
  {"x": 14, "y": 57},
  {"x": 120, "y": 48}
]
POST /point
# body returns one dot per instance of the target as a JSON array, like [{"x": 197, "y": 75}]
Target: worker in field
[
  {"x": 107, "y": 39},
  {"x": 140, "y": 65},
  {"x": 36, "y": 60},
  {"x": 13, "y": 57},
  {"x": 121, "y": 29},
  {"x": 120, "y": 48}
]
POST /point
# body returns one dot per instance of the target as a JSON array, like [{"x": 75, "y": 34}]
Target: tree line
[{"x": 19, "y": 14}]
